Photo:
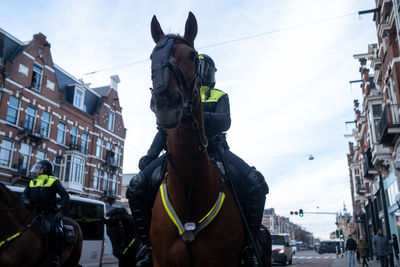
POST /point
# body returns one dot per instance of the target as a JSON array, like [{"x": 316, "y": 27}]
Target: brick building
[
  {"x": 374, "y": 157},
  {"x": 47, "y": 113}
]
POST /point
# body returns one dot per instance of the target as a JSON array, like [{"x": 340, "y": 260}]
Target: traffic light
[
  {"x": 296, "y": 213},
  {"x": 337, "y": 233},
  {"x": 341, "y": 233},
  {"x": 291, "y": 212},
  {"x": 301, "y": 214}
]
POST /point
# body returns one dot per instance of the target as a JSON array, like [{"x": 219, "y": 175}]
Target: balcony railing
[
  {"x": 360, "y": 189},
  {"x": 369, "y": 168},
  {"x": 29, "y": 132},
  {"x": 387, "y": 130},
  {"x": 110, "y": 159}
]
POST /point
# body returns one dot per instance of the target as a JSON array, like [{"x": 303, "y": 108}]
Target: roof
[{"x": 103, "y": 91}]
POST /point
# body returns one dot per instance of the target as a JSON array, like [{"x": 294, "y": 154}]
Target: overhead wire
[{"x": 234, "y": 40}]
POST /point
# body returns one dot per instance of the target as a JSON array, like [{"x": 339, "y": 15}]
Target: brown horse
[
  {"x": 193, "y": 183},
  {"x": 28, "y": 248}
]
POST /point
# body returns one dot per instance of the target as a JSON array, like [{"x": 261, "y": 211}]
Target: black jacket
[
  {"x": 217, "y": 120},
  {"x": 41, "y": 193},
  {"x": 351, "y": 244}
]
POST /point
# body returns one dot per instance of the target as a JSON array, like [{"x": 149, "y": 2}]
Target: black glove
[
  {"x": 145, "y": 160},
  {"x": 58, "y": 215}
]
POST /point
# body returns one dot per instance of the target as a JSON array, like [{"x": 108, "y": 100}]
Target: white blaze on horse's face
[{"x": 176, "y": 69}]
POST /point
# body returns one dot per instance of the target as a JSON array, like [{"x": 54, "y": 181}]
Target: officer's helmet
[
  {"x": 207, "y": 70},
  {"x": 45, "y": 165}
]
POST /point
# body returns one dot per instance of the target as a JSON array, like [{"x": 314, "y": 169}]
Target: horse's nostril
[{"x": 177, "y": 100}]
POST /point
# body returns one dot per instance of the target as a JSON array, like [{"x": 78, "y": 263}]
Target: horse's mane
[{"x": 15, "y": 197}]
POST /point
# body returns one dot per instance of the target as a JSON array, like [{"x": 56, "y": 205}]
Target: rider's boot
[
  {"x": 58, "y": 247},
  {"x": 141, "y": 214},
  {"x": 254, "y": 209}
]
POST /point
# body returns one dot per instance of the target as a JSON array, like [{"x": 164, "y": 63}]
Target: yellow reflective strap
[
  {"x": 169, "y": 209},
  {"x": 9, "y": 239},
  {"x": 130, "y": 244},
  {"x": 219, "y": 202}
]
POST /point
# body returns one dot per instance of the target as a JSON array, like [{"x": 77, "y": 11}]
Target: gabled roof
[
  {"x": 103, "y": 91},
  {"x": 10, "y": 47}
]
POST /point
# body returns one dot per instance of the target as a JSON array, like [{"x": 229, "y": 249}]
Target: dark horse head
[
  {"x": 173, "y": 95},
  {"x": 121, "y": 230}
]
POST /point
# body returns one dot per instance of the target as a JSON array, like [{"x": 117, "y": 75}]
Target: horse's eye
[{"x": 193, "y": 56}]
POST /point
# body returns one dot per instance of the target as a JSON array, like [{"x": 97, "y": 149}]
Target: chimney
[{"x": 114, "y": 82}]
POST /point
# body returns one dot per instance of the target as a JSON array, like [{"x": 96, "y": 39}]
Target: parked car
[
  {"x": 293, "y": 244},
  {"x": 281, "y": 249}
]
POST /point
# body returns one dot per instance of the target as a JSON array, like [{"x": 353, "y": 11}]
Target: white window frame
[
  {"x": 80, "y": 98},
  {"x": 44, "y": 155},
  {"x": 99, "y": 147},
  {"x": 76, "y": 172},
  {"x": 111, "y": 123},
  {"x": 15, "y": 108},
  {"x": 10, "y": 151},
  {"x": 96, "y": 179},
  {"x": 48, "y": 124},
  {"x": 28, "y": 155},
  {"x": 30, "y": 115},
  {"x": 40, "y": 78},
  {"x": 63, "y": 130}
]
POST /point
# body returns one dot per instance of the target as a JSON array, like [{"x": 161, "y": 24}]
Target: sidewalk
[{"x": 343, "y": 262}]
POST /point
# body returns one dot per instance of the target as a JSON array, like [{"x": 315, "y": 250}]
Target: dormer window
[
  {"x": 79, "y": 98},
  {"x": 36, "y": 77}
]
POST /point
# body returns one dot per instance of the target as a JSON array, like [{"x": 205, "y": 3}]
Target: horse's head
[
  {"x": 174, "y": 73},
  {"x": 120, "y": 227}
]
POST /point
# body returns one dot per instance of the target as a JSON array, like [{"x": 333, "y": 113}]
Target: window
[
  {"x": 376, "y": 114},
  {"x": 36, "y": 78},
  {"x": 74, "y": 136},
  {"x": 114, "y": 184},
  {"x": 25, "y": 157},
  {"x": 75, "y": 169},
  {"x": 99, "y": 148},
  {"x": 45, "y": 126},
  {"x": 30, "y": 118},
  {"x": 96, "y": 179},
  {"x": 84, "y": 142},
  {"x": 61, "y": 132},
  {"x": 78, "y": 98},
  {"x": 108, "y": 146},
  {"x": 57, "y": 166},
  {"x": 13, "y": 109},
  {"x": 111, "y": 118},
  {"x": 105, "y": 181},
  {"x": 6, "y": 152},
  {"x": 40, "y": 155},
  {"x": 117, "y": 154}
]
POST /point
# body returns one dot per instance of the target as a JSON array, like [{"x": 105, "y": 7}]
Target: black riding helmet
[
  {"x": 45, "y": 165},
  {"x": 207, "y": 70}
]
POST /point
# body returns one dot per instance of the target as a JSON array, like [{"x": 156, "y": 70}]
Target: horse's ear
[
  {"x": 190, "y": 28},
  {"x": 156, "y": 31}
]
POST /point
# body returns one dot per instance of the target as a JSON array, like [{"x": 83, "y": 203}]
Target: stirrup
[
  {"x": 144, "y": 256},
  {"x": 249, "y": 257}
]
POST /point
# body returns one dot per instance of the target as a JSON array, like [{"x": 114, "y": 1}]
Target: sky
[{"x": 286, "y": 66}]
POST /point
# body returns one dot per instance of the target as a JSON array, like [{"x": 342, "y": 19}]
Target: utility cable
[{"x": 235, "y": 40}]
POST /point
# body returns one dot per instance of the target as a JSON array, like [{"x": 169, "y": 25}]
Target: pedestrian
[
  {"x": 381, "y": 247},
  {"x": 363, "y": 249},
  {"x": 395, "y": 245},
  {"x": 351, "y": 246}
]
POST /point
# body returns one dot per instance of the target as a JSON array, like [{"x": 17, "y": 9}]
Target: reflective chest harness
[{"x": 189, "y": 230}]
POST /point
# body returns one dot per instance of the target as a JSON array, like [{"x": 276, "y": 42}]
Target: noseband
[{"x": 162, "y": 64}]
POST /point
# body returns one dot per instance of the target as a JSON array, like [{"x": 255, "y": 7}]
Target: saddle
[{"x": 68, "y": 230}]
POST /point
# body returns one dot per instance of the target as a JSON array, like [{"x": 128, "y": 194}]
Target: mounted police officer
[
  {"x": 40, "y": 194},
  {"x": 249, "y": 182}
]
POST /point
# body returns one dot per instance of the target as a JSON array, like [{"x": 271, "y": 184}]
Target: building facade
[
  {"x": 374, "y": 157},
  {"x": 46, "y": 113}
]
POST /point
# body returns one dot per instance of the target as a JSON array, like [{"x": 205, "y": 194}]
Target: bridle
[{"x": 162, "y": 64}]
